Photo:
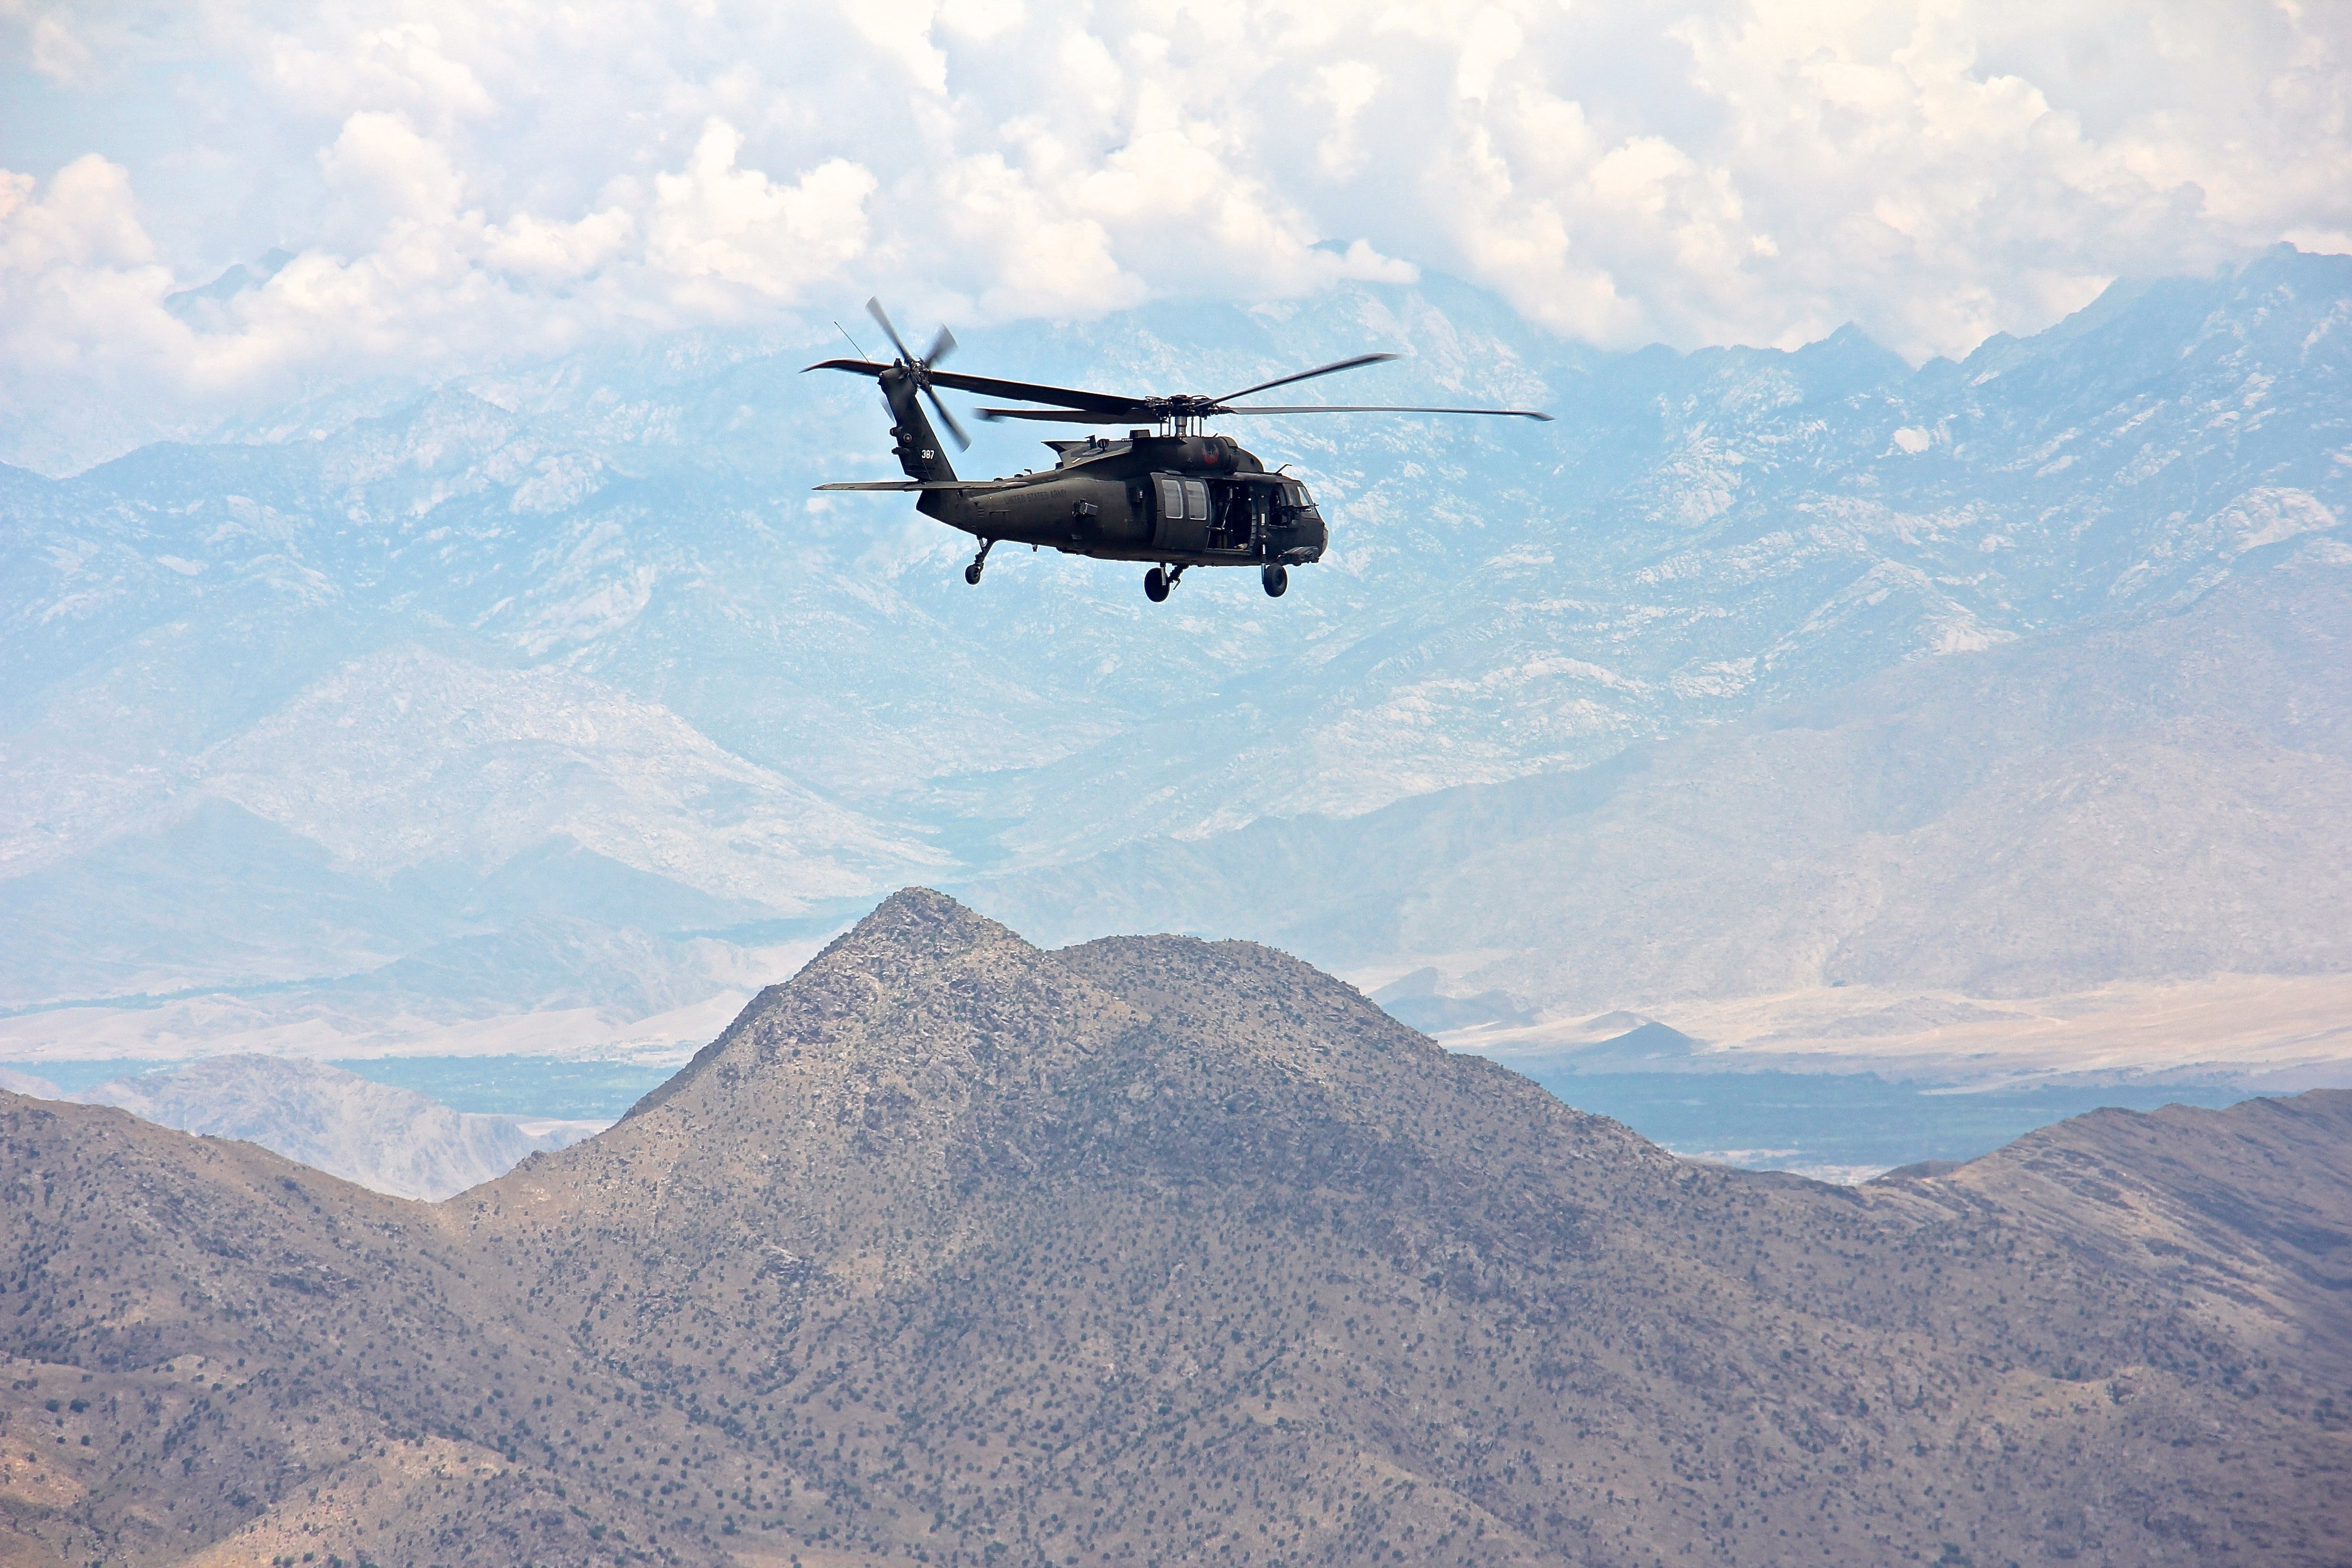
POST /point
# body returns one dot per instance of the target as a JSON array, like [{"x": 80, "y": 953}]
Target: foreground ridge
[{"x": 1151, "y": 1250}]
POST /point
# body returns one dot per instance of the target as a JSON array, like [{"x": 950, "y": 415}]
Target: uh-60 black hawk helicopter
[{"x": 1169, "y": 494}]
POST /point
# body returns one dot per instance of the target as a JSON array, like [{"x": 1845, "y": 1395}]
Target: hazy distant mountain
[
  {"x": 955, "y": 1250},
  {"x": 17, "y": 1082},
  {"x": 394, "y": 1141},
  {"x": 588, "y": 619},
  {"x": 2145, "y": 798}
]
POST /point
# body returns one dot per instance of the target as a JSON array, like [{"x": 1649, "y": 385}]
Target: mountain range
[
  {"x": 385, "y": 1139},
  {"x": 1150, "y": 1250},
  {"x": 2145, "y": 798},
  {"x": 574, "y": 642},
  {"x": 378, "y": 1136}
]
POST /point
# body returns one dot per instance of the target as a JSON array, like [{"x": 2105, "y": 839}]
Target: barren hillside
[{"x": 959, "y": 1251}]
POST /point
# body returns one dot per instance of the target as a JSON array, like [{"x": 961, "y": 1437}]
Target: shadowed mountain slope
[
  {"x": 1154, "y": 1251},
  {"x": 205, "y": 1336}
]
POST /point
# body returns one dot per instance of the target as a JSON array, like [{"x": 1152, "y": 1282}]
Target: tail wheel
[
  {"x": 1155, "y": 586},
  {"x": 1276, "y": 580}
]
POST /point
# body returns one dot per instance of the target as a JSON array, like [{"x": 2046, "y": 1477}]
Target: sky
[{"x": 467, "y": 184}]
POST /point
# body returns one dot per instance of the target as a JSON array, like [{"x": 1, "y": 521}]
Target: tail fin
[{"x": 920, "y": 452}]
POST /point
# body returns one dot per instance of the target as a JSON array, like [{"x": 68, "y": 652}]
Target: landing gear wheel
[
  {"x": 971, "y": 574},
  {"x": 1155, "y": 586},
  {"x": 1276, "y": 580}
]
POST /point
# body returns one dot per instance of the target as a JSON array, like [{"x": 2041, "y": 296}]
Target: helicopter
[{"x": 1168, "y": 492}]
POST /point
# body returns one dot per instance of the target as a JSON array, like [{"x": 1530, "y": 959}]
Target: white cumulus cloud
[
  {"x": 463, "y": 185},
  {"x": 713, "y": 220}
]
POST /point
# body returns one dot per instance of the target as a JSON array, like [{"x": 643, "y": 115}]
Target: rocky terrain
[
  {"x": 388, "y": 1140},
  {"x": 956, "y": 1250},
  {"x": 576, "y": 642}
]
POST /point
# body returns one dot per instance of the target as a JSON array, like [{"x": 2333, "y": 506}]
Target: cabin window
[
  {"x": 1196, "y": 500},
  {"x": 1172, "y": 498}
]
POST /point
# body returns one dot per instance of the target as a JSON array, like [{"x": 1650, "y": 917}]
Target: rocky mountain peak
[
  {"x": 926, "y": 1051},
  {"x": 920, "y": 927}
]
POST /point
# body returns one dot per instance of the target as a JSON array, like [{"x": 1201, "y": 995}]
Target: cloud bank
[{"x": 463, "y": 184}]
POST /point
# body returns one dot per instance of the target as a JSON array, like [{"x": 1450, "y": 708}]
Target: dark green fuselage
[
  {"x": 1180, "y": 500},
  {"x": 1197, "y": 500}
]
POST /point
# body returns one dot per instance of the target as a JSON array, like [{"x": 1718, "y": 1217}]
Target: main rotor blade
[
  {"x": 1031, "y": 392},
  {"x": 874, "y": 309},
  {"x": 963, "y": 441},
  {"x": 1060, "y": 416},
  {"x": 855, "y": 366},
  {"x": 1335, "y": 366},
  {"x": 941, "y": 346},
  {"x": 1386, "y": 409}
]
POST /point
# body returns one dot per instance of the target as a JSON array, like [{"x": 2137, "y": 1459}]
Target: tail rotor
[{"x": 920, "y": 369}]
